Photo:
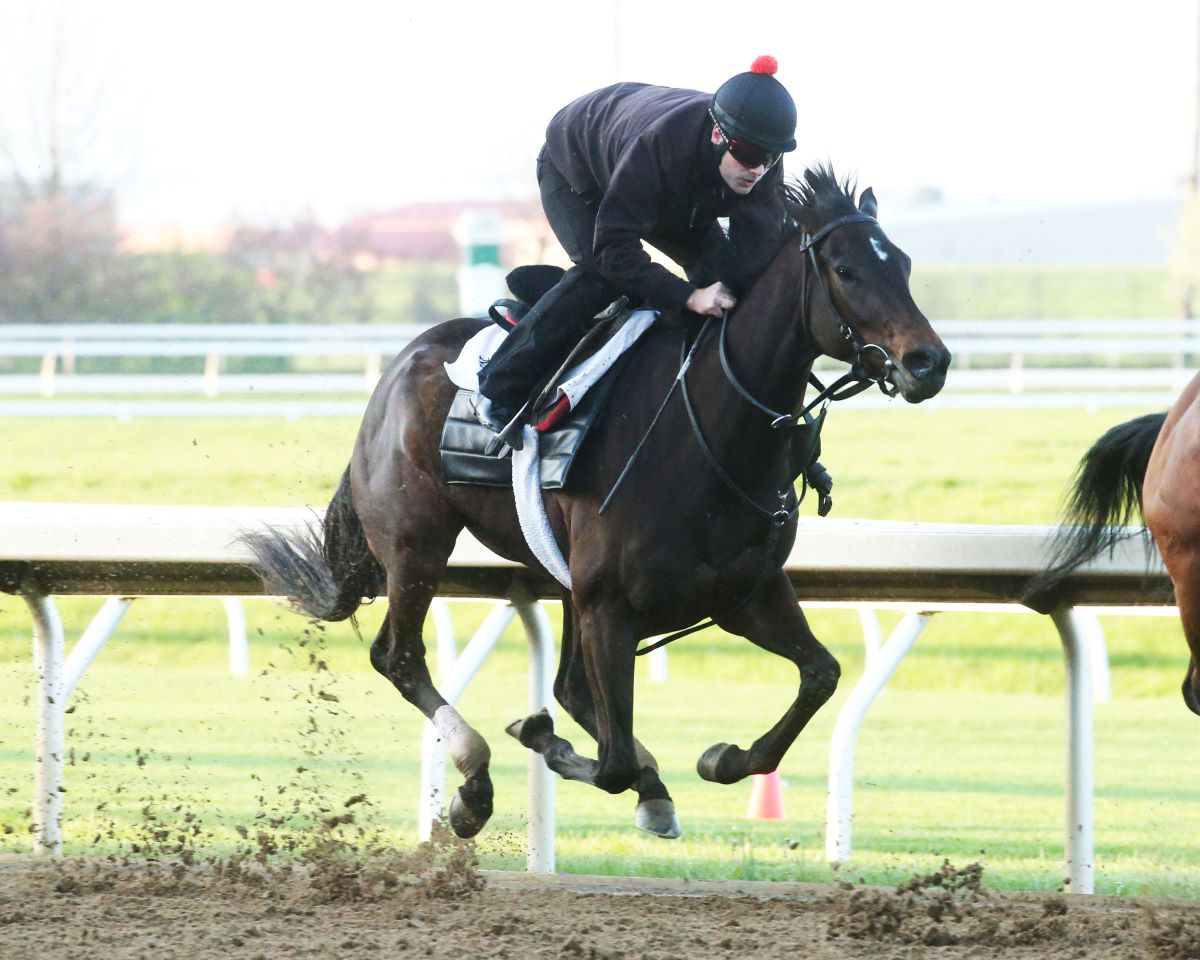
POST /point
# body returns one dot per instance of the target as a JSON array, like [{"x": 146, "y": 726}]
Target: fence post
[
  {"x": 212, "y": 371},
  {"x": 541, "y": 785},
  {"x": 48, "y": 657},
  {"x": 1080, "y": 816},
  {"x": 46, "y": 374},
  {"x": 239, "y": 645},
  {"x": 845, "y": 733}
]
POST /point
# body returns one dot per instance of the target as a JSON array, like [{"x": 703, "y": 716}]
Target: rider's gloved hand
[
  {"x": 712, "y": 301},
  {"x": 820, "y": 480}
]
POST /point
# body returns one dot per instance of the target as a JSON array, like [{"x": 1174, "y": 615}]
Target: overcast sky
[{"x": 259, "y": 109}]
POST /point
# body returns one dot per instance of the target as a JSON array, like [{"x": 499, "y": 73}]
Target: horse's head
[{"x": 860, "y": 307}]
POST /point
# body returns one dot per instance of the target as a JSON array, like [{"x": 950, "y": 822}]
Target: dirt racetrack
[{"x": 435, "y": 903}]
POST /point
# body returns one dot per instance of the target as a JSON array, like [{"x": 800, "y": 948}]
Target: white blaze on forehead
[{"x": 883, "y": 255}]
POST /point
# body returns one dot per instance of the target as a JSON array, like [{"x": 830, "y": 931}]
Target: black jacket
[{"x": 645, "y": 153}]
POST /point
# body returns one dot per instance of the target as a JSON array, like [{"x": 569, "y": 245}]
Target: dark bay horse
[
  {"x": 1149, "y": 466},
  {"x": 700, "y": 529}
]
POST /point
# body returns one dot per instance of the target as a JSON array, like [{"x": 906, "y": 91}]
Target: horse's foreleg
[
  {"x": 608, "y": 646},
  {"x": 399, "y": 654},
  {"x": 774, "y": 621},
  {"x": 655, "y": 810}
]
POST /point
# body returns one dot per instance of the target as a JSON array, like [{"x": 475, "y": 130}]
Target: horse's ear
[{"x": 868, "y": 204}]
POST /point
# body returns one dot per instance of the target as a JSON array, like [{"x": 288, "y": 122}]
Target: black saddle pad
[{"x": 464, "y": 440}]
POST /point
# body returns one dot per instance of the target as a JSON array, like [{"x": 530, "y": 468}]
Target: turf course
[{"x": 962, "y": 757}]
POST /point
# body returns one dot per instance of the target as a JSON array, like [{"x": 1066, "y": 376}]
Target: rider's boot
[{"x": 540, "y": 341}]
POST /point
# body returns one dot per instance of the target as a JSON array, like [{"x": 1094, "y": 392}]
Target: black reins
[{"x": 854, "y": 381}]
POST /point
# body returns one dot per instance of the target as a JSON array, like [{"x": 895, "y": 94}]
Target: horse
[
  {"x": 1144, "y": 467},
  {"x": 700, "y": 529}
]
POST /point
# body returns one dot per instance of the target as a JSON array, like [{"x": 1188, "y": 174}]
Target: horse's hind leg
[
  {"x": 414, "y": 571},
  {"x": 1174, "y": 530},
  {"x": 655, "y": 810},
  {"x": 1186, "y": 578},
  {"x": 774, "y": 621}
]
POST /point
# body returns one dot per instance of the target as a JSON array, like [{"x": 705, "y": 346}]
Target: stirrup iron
[{"x": 512, "y": 435}]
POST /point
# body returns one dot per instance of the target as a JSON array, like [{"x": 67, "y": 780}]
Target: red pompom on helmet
[
  {"x": 765, "y": 64},
  {"x": 755, "y": 107}
]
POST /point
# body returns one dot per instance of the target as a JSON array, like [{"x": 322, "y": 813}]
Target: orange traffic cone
[{"x": 766, "y": 797}]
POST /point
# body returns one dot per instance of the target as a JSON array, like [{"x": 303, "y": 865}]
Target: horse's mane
[{"x": 818, "y": 196}]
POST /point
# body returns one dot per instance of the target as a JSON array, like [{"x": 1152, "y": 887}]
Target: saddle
[{"x": 464, "y": 440}]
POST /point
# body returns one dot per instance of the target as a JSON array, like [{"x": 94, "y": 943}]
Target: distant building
[
  {"x": 1125, "y": 234},
  {"x": 1129, "y": 233},
  {"x": 424, "y": 232}
]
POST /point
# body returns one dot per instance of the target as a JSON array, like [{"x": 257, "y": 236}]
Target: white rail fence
[
  {"x": 125, "y": 552},
  {"x": 58, "y": 348},
  {"x": 1033, "y": 359}
]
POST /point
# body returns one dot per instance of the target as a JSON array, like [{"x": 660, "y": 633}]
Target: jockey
[{"x": 631, "y": 163}]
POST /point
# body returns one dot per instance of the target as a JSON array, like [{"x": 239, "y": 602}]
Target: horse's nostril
[{"x": 920, "y": 362}]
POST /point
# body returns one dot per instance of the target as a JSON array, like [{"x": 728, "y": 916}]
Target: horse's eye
[{"x": 844, "y": 272}]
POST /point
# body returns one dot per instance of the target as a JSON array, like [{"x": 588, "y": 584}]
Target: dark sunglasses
[{"x": 747, "y": 154}]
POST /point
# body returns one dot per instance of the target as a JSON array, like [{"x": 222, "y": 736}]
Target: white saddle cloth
[{"x": 527, "y": 485}]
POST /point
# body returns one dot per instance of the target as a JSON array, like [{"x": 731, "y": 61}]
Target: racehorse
[
  {"x": 1147, "y": 466},
  {"x": 701, "y": 529}
]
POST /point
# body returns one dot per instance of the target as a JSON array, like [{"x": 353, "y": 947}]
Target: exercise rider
[{"x": 634, "y": 162}]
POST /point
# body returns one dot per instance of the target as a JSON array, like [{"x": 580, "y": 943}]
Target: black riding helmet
[{"x": 755, "y": 107}]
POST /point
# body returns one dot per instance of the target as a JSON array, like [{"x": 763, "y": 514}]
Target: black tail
[
  {"x": 326, "y": 573},
  {"x": 1105, "y": 498}
]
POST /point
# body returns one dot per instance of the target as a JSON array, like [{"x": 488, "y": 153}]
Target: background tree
[{"x": 59, "y": 155}]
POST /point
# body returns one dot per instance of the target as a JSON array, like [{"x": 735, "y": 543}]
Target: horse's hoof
[
  {"x": 465, "y": 820},
  {"x": 722, "y": 763},
  {"x": 527, "y": 730},
  {"x": 658, "y": 817}
]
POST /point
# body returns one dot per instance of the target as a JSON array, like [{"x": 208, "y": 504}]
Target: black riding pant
[{"x": 546, "y": 334}]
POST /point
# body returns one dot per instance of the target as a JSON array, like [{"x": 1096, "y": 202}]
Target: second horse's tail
[
  {"x": 1105, "y": 497},
  {"x": 325, "y": 571}
]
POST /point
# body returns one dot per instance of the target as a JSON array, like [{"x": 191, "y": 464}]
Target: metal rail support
[
  {"x": 1080, "y": 848},
  {"x": 880, "y": 668},
  {"x": 868, "y": 619},
  {"x": 59, "y": 673},
  {"x": 51, "y": 707},
  {"x": 239, "y": 647},
  {"x": 1088, "y": 623},
  {"x": 658, "y": 664},
  {"x": 541, "y": 780},
  {"x": 1082, "y": 641}
]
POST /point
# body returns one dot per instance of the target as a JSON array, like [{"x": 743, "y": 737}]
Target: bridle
[{"x": 858, "y": 373}]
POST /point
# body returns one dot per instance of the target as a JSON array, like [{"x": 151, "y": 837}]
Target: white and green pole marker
[{"x": 480, "y": 276}]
